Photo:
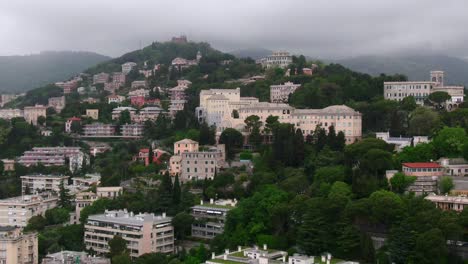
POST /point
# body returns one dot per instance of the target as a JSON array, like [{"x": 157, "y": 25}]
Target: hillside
[
  {"x": 416, "y": 67},
  {"x": 23, "y": 73}
]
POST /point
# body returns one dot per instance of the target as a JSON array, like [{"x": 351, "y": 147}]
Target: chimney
[
  {"x": 211, "y": 201},
  {"x": 265, "y": 247},
  {"x": 212, "y": 255}
]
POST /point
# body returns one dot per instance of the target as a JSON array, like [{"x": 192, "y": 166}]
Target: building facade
[
  {"x": 421, "y": 90},
  {"x": 144, "y": 233},
  {"x": 73, "y": 257},
  {"x": 98, "y": 130},
  {"x": 32, "y": 113},
  {"x": 17, "y": 247},
  {"x": 132, "y": 130},
  {"x": 280, "y": 93},
  {"x": 127, "y": 67},
  {"x": 58, "y": 103},
  {"x": 10, "y": 113},
  {"x": 16, "y": 211},
  {"x": 448, "y": 203},
  {"x": 427, "y": 175},
  {"x": 37, "y": 183},
  {"x": 53, "y": 156},
  {"x": 281, "y": 59},
  {"x": 92, "y": 113},
  {"x": 200, "y": 165},
  {"x": 210, "y": 218},
  {"x": 100, "y": 78}
]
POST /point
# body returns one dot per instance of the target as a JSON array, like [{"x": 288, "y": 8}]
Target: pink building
[
  {"x": 143, "y": 155},
  {"x": 68, "y": 86},
  {"x": 32, "y": 113},
  {"x": 101, "y": 78},
  {"x": 137, "y": 101},
  {"x": 118, "y": 78},
  {"x": 58, "y": 103}
]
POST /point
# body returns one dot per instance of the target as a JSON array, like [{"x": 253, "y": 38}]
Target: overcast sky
[{"x": 320, "y": 28}]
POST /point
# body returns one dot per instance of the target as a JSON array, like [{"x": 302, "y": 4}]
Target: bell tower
[{"x": 437, "y": 77}]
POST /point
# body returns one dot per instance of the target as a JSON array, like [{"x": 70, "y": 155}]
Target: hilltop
[
  {"x": 23, "y": 73},
  {"x": 416, "y": 67}
]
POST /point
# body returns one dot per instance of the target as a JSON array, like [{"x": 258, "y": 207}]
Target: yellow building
[{"x": 17, "y": 247}]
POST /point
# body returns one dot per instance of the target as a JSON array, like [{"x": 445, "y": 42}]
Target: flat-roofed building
[
  {"x": 139, "y": 84},
  {"x": 448, "y": 203},
  {"x": 98, "y": 130},
  {"x": 101, "y": 78},
  {"x": 144, "y": 233},
  {"x": 200, "y": 165},
  {"x": 68, "y": 86},
  {"x": 10, "y": 113},
  {"x": 117, "y": 111},
  {"x": 83, "y": 199},
  {"x": 36, "y": 183},
  {"x": 54, "y": 156},
  {"x": 8, "y": 164},
  {"x": 132, "y": 130},
  {"x": 72, "y": 257},
  {"x": 454, "y": 166},
  {"x": 92, "y": 113},
  {"x": 427, "y": 175},
  {"x": 115, "y": 99},
  {"x": 18, "y": 247},
  {"x": 16, "y": 211},
  {"x": 281, "y": 59},
  {"x": 421, "y": 90},
  {"x": 127, "y": 67},
  {"x": 210, "y": 218},
  {"x": 280, "y": 93},
  {"x": 224, "y": 108},
  {"x": 32, "y": 113},
  {"x": 58, "y": 103}
]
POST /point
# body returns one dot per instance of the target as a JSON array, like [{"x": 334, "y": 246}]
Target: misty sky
[{"x": 321, "y": 28}]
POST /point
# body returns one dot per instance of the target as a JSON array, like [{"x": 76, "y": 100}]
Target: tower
[{"x": 437, "y": 77}]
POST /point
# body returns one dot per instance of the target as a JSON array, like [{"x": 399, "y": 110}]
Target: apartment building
[
  {"x": 16, "y": 211},
  {"x": 115, "y": 99},
  {"x": 148, "y": 113},
  {"x": 72, "y": 257},
  {"x": 139, "y": 84},
  {"x": 92, "y": 113},
  {"x": 137, "y": 101},
  {"x": 127, "y": 67},
  {"x": 32, "y": 113},
  {"x": 119, "y": 78},
  {"x": 185, "y": 145},
  {"x": 68, "y": 86},
  {"x": 17, "y": 247},
  {"x": 200, "y": 165},
  {"x": 10, "y": 113},
  {"x": 58, "y": 103},
  {"x": 427, "y": 175},
  {"x": 144, "y": 233},
  {"x": 143, "y": 156},
  {"x": 37, "y": 183},
  {"x": 448, "y": 203},
  {"x": 210, "y": 218},
  {"x": 176, "y": 106},
  {"x": 98, "y": 130},
  {"x": 83, "y": 199},
  {"x": 53, "y": 156},
  {"x": 117, "y": 111},
  {"x": 281, "y": 59},
  {"x": 101, "y": 78},
  {"x": 132, "y": 130},
  {"x": 6, "y": 98},
  {"x": 401, "y": 142},
  {"x": 280, "y": 93},
  {"x": 421, "y": 90},
  {"x": 139, "y": 92}
]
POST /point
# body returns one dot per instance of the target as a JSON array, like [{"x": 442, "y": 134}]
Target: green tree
[
  {"x": 182, "y": 223},
  {"x": 36, "y": 223},
  {"x": 41, "y": 120},
  {"x": 270, "y": 123},
  {"x": 445, "y": 185},
  {"x": 431, "y": 247},
  {"x": 125, "y": 117},
  {"x": 207, "y": 134},
  {"x": 253, "y": 124},
  {"x": 449, "y": 141},
  {"x": 64, "y": 196},
  {"x": 408, "y": 103},
  {"x": 117, "y": 246},
  {"x": 177, "y": 192},
  {"x": 233, "y": 140},
  {"x": 399, "y": 182},
  {"x": 439, "y": 98},
  {"x": 423, "y": 121}
]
